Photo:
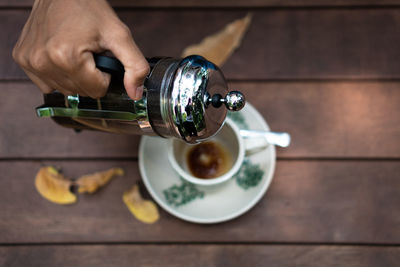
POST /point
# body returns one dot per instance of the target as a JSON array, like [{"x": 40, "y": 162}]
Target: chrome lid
[{"x": 199, "y": 99}]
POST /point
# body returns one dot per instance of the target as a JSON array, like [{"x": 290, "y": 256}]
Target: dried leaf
[
  {"x": 92, "y": 182},
  {"x": 54, "y": 186},
  {"x": 144, "y": 210},
  {"x": 218, "y": 47}
]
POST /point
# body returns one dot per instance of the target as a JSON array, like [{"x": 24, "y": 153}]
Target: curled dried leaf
[
  {"x": 218, "y": 47},
  {"x": 144, "y": 210},
  {"x": 90, "y": 183},
  {"x": 54, "y": 186}
]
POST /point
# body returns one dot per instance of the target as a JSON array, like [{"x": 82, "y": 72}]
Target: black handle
[{"x": 109, "y": 64}]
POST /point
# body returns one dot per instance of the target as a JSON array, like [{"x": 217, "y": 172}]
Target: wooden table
[{"x": 328, "y": 72}]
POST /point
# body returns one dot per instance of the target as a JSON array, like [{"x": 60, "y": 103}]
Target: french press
[{"x": 183, "y": 98}]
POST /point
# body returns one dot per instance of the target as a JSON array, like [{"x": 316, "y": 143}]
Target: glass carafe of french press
[{"x": 183, "y": 98}]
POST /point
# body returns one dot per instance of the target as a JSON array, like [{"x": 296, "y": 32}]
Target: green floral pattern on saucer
[
  {"x": 249, "y": 175},
  {"x": 178, "y": 195}
]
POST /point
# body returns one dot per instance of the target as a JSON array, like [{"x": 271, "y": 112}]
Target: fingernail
[{"x": 139, "y": 92}]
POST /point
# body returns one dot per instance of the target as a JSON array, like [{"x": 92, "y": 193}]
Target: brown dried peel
[
  {"x": 92, "y": 182},
  {"x": 144, "y": 210},
  {"x": 54, "y": 187},
  {"x": 218, "y": 47}
]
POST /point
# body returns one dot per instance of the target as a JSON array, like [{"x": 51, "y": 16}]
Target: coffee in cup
[
  {"x": 208, "y": 160},
  {"x": 213, "y": 162}
]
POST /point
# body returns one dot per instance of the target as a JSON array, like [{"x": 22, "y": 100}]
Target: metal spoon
[{"x": 281, "y": 139}]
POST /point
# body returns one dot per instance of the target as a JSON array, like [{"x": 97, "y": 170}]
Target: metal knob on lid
[{"x": 233, "y": 101}]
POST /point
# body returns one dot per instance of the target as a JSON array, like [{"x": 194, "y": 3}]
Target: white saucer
[{"x": 208, "y": 204}]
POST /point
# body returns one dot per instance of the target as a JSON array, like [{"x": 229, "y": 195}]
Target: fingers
[
  {"x": 39, "y": 83},
  {"x": 67, "y": 74},
  {"x": 135, "y": 64},
  {"x": 90, "y": 79},
  {"x": 50, "y": 85}
]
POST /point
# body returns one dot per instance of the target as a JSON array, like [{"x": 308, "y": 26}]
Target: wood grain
[
  {"x": 225, "y": 3},
  {"x": 308, "y": 201},
  {"x": 195, "y": 255},
  {"x": 325, "y": 119},
  {"x": 280, "y": 44}
]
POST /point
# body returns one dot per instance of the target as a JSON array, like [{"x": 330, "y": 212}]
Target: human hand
[{"x": 57, "y": 43}]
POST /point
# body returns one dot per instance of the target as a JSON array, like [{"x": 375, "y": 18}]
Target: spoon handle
[{"x": 281, "y": 139}]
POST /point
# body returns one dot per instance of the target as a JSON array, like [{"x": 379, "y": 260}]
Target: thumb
[{"x": 135, "y": 64}]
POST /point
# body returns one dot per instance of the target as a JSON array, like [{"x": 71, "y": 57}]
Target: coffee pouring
[{"x": 184, "y": 98}]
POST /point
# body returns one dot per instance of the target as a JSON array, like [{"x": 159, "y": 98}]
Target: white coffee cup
[{"x": 229, "y": 138}]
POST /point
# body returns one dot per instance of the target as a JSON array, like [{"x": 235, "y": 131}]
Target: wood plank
[
  {"x": 280, "y": 44},
  {"x": 188, "y": 255},
  {"x": 325, "y": 119},
  {"x": 225, "y": 3},
  {"x": 353, "y": 119},
  {"x": 308, "y": 201}
]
